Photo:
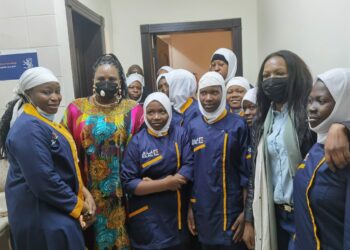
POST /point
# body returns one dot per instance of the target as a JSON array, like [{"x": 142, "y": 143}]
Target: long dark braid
[
  {"x": 111, "y": 59},
  {"x": 5, "y": 127}
]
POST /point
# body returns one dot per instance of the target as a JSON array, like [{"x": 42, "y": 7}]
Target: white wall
[
  {"x": 317, "y": 30},
  {"x": 129, "y": 15},
  {"x": 103, "y": 8},
  {"x": 29, "y": 24},
  {"x": 42, "y": 25}
]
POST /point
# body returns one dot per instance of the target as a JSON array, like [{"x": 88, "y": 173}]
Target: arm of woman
[
  {"x": 131, "y": 175},
  {"x": 33, "y": 156},
  {"x": 337, "y": 151},
  {"x": 186, "y": 157}
]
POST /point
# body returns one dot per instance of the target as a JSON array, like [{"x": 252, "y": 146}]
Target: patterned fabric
[{"x": 101, "y": 135}]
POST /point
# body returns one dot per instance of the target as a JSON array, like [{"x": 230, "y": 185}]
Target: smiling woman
[{"x": 43, "y": 179}]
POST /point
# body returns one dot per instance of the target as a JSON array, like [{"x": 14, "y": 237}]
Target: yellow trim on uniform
[
  {"x": 249, "y": 156},
  {"x": 301, "y": 166},
  {"x": 179, "y": 221},
  {"x": 150, "y": 162},
  {"x": 186, "y": 105},
  {"x": 177, "y": 155},
  {"x": 220, "y": 117},
  {"x": 138, "y": 211},
  {"x": 318, "y": 245},
  {"x": 224, "y": 181},
  {"x": 154, "y": 134},
  {"x": 31, "y": 110},
  {"x": 193, "y": 200},
  {"x": 199, "y": 147}
]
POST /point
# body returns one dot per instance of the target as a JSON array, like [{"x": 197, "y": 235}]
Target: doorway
[
  {"x": 160, "y": 42},
  {"x": 86, "y": 40}
]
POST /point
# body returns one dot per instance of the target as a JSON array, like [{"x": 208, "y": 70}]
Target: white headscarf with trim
[
  {"x": 164, "y": 100},
  {"x": 232, "y": 62},
  {"x": 338, "y": 83},
  {"x": 238, "y": 81},
  {"x": 212, "y": 78},
  {"x": 182, "y": 85},
  {"x": 29, "y": 79},
  {"x": 133, "y": 78},
  {"x": 250, "y": 95}
]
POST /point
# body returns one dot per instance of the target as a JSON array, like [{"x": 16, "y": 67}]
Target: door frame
[
  {"x": 76, "y": 6},
  {"x": 150, "y": 31}
]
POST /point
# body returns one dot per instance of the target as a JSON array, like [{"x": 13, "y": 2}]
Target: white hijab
[
  {"x": 238, "y": 81},
  {"x": 133, "y": 78},
  {"x": 250, "y": 96},
  {"x": 29, "y": 79},
  {"x": 164, "y": 100},
  {"x": 232, "y": 62},
  {"x": 212, "y": 78},
  {"x": 166, "y": 68},
  {"x": 182, "y": 85},
  {"x": 338, "y": 83}
]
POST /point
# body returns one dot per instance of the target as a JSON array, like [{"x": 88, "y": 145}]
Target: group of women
[{"x": 237, "y": 167}]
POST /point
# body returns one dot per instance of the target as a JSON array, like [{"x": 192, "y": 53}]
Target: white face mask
[{"x": 50, "y": 117}]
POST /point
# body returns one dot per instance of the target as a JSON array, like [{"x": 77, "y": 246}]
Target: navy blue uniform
[
  {"x": 322, "y": 204},
  {"x": 43, "y": 187},
  {"x": 220, "y": 173},
  {"x": 158, "y": 220},
  {"x": 189, "y": 111}
]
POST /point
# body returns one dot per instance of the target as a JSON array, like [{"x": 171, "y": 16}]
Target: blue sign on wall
[{"x": 13, "y": 65}]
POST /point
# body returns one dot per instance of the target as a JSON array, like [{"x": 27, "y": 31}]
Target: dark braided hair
[
  {"x": 5, "y": 127},
  {"x": 111, "y": 59}
]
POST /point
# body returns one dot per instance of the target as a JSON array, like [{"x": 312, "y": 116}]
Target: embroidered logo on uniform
[
  {"x": 197, "y": 141},
  {"x": 54, "y": 138},
  {"x": 149, "y": 154}
]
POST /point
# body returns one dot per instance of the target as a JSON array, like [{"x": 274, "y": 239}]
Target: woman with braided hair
[{"x": 101, "y": 126}]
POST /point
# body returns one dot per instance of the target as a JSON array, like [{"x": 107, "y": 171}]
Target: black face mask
[
  {"x": 106, "y": 89},
  {"x": 276, "y": 89}
]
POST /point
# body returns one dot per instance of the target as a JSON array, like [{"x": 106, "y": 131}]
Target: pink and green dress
[{"x": 101, "y": 135}]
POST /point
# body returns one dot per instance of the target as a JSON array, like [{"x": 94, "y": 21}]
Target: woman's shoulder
[
  {"x": 80, "y": 101},
  {"x": 28, "y": 126},
  {"x": 129, "y": 105}
]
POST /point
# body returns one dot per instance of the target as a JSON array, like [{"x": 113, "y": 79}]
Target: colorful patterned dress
[{"x": 101, "y": 134}]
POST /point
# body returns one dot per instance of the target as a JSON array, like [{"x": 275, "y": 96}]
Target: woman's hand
[
  {"x": 190, "y": 221},
  {"x": 249, "y": 235},
  {"x": 91, "y": 206},
  {"x": 174, "y": 182},
  {"x": 337, "y": 147},
  {"x": 238, "y": 228}
]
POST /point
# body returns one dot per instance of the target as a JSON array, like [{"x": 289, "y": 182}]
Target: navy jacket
[
  {"x": 220, "y": 173},
  {"x": 189, "y": 111},
  {"x": 322, "y": 204},
  {"x": 158, "y": 220}
]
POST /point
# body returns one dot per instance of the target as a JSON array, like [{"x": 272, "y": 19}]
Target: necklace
[{"x": 109, "y": 105}]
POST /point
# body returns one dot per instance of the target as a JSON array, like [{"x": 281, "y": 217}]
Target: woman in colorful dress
[{"x": 101, "y": 126}]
